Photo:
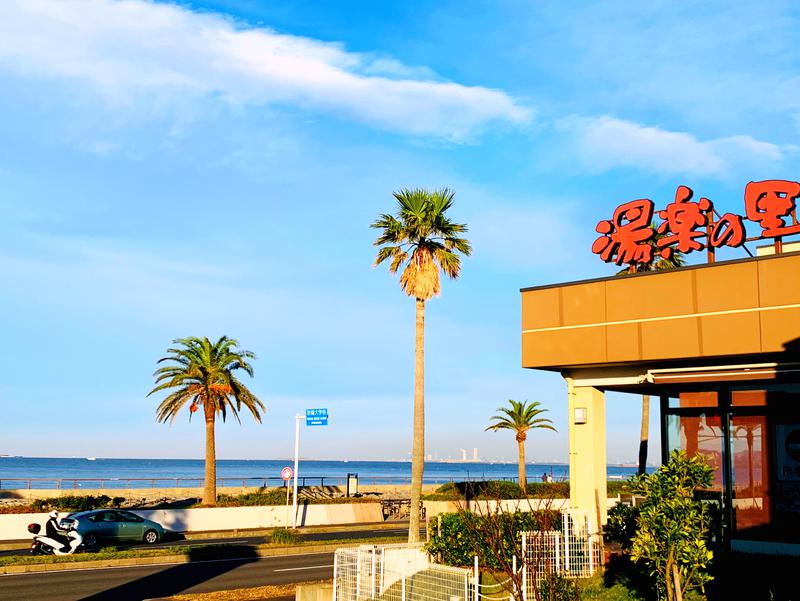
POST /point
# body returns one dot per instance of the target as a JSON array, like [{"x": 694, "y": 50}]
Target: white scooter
[{"x": 44, "y": 545}]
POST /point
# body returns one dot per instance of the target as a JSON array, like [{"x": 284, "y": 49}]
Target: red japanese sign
[{"x": 687, "y": 225}]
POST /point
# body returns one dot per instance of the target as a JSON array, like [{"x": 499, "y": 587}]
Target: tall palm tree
[
  {"x": 203, "y": 374},
  {"x": 421, "y": 240},
  {"x": 657, "y": 263},
  {"x": 521, "y": 417}
]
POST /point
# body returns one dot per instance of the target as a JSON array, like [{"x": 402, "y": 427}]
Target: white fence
[
  {"x": 574, "y": 552},
  {"x": 406, "y": 572},
  {"x": 397, "y": 573}
]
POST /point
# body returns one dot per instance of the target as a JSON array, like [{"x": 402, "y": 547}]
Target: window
[{"x": 130, "y": 517}]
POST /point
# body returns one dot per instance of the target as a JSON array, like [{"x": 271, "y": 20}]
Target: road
[{"x": 147, "y": 582}]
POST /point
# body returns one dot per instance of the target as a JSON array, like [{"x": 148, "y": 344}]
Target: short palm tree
[
  {"x": 203, "y": 375},
  {"x": 421, "y": 240},
  {"x": 521, "y": 417}
]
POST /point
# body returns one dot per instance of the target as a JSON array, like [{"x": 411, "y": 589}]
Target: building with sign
[{"x": 719, "y": 345}]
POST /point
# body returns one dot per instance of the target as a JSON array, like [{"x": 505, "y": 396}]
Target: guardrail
[{"x": 150, "y": 483}]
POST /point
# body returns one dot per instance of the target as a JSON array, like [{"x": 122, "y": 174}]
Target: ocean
[{"x": 46, "y": 472}]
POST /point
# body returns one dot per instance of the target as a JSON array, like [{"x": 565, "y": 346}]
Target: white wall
[{"x": 15, "y": 526}]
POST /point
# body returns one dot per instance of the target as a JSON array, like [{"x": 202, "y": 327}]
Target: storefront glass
[{"x": 750, "y": 436}]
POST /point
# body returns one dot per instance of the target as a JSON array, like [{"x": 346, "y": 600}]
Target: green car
[{"x": 114, "y": 524}]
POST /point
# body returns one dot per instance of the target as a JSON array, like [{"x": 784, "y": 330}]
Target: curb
[{"x": 164, "y": 559}]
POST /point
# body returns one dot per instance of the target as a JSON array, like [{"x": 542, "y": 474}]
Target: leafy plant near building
[
  {"x": 494, "y": 536},
  {"x": 672, "y": 526}
]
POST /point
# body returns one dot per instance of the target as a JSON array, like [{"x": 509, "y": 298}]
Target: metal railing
[{"x": 14, "y": 483}]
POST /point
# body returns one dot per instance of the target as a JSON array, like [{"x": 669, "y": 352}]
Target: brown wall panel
[
  {"x": 731, "y": 334},
  {"x": 652, "y": 296},
  {"x": 622, "y": 342},
  {"x": 584, "y": 303},
  {"x": 670, "y": 339},
  {"x": 779, "y": 281},
  {"x": 727, "y": 287},
  {"x": 779, "y": 328},
  {"x": 579, "y": 345},
  {"x": 540, "y": 309},
  {"x": 738, "y": 290}
]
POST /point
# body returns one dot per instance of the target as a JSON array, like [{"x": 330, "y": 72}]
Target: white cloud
[
  {"x": 604, "y": 143},
  {"x": 126, "y": 48}
]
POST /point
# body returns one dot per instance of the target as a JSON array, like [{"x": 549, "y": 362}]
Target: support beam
[{"x": 587, "y": 451}]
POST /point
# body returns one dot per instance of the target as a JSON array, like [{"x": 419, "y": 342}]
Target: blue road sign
[{"x": 316, "y": 417}]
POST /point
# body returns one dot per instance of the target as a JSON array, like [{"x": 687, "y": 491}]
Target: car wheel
[
  {"x": 151, "y": 537},
  {"x": 90, "y": 540}
]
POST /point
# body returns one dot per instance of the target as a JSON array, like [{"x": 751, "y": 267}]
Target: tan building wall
[{"x": 745, "y": 307}]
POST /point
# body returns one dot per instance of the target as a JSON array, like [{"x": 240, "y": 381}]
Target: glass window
[
  {"x": 688, "y": 400},
  {"x": 130, "y": 517},
  {"x": 698, "y": 434}
]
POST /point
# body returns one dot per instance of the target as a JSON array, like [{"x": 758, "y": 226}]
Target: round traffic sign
[{"x": 287, "y": 473}]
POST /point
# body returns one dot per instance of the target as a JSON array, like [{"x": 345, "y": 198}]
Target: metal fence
[
  {"x": 574, "y": 552},
  {"x": 397, "y": 573}
]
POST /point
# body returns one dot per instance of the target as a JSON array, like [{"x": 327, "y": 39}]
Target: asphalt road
[{"x": 148, "y": 582}]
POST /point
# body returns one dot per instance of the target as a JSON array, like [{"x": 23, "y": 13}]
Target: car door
[
  {"x": 101, "y": 524},
  {"x": 129, "y": 525}
]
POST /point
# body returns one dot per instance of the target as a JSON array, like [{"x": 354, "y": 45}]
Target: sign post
[
  {"x": 286, "y": 474},
  {"x": 314, "y": 417},
  {"x": 297, "y": 419}
]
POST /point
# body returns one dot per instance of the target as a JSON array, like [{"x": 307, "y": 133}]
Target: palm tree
[
  {"x": 203, "y": 375},
  {"x": 421, "y": 240},
  {"x": 520, "y": 418},
  {"x": 657, "y": 263}
]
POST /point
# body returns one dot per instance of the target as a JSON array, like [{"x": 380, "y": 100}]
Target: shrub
[
  {"x": 272, "y": 496},
  {"x": 284, "y": 536},
  {"x": 673, "y": 525},
  {"x": 75, "y": 503},
  {"x": 498, "y": 489},
  {"x": 621, "y": 525},
  {"x": 463, "y": 535}
]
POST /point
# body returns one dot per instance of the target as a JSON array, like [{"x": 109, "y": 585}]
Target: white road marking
[{"x": 303, "y": 568}]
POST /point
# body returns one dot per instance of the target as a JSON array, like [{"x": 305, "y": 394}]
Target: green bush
[
  {"x": 76, "y": 503},
  {"x": 673, "y": 525},
  {"x": 505, "y": 489},
  {"x": 284, "y": 536},
  {"x": 272, "y": 496},
  {"x": 621, "y": 525},
  {"x": 462, "y": 535},
  {"x": 498, "y": 489}
]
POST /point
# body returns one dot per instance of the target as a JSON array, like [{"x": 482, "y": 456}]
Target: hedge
[
  {"x": 463, "y": 535},
  {"x": 504, "y": 489}
]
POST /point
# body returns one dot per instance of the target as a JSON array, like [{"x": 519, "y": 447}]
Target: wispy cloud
[
  {"x": 604, "y": 143},
  {"x": 128, "y": 47}
]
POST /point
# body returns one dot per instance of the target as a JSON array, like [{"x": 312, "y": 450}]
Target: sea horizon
[{"x": 105, "y": 472}]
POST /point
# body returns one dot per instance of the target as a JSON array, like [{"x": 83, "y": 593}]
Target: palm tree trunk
[
  {"x": 418, "y": 445},
  {"x": 210, "y": 489},
  {"x": 523, "y": 481},
  {"x": 644, "y": 435}
]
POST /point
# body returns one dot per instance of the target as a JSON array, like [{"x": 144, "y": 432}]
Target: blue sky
[{"x": 208, "y": 168}]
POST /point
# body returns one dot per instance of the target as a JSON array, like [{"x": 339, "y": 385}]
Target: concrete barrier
[
  {"x": 13, "y": 526},
  {"x": 314, "y": 592}
]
